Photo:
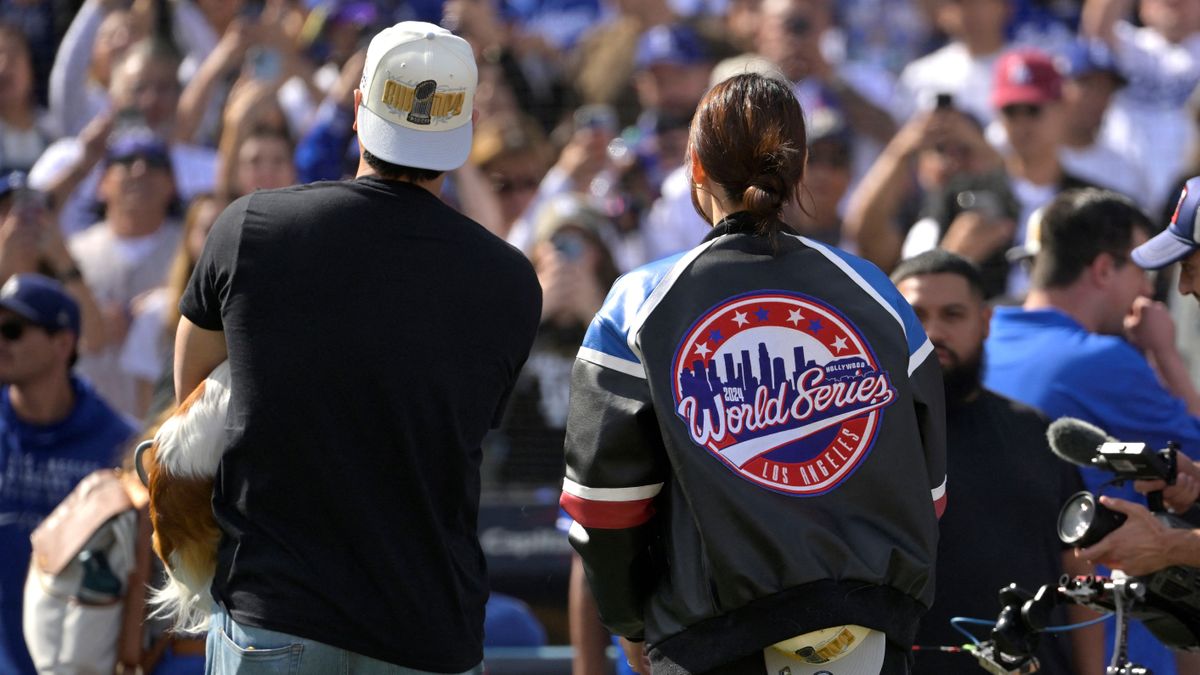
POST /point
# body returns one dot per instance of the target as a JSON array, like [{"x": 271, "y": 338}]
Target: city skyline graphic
[{"x": 782, "y": 389}]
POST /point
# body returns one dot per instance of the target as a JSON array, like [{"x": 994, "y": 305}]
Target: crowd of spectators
[{"x": 931, "y": 124}]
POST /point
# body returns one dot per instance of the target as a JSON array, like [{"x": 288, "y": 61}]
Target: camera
[
  {"x": 983, "y": 202},
  {"x": 1166, "y": 601},
  {"x": 1083, "y": 521}
]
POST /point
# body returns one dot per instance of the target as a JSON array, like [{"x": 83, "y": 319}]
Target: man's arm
[
  {"x": 197, "y": 353},
  {"x": 864, "y": 116},
  {"x": 200, "y": 337},
  {"x": 1143, "y": 544},
  {"x": 1183, "y": 494},
  {"x": 871, "y": 212},
  {"x": 1150, "y": 328},
  {"x": 589, "y": 639},
  {"x": 1100, "y": 17}
]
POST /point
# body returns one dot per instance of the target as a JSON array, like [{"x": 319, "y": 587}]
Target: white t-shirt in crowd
[
  {"x": 1105, "y": 167},
  {"x": 145, "y": 350},
  {"x": 949, "y": 70},
  {"x": 20, "y": 148},
  {"x": 672, "y": 225},
  {"x": 194, "y": 167},
  {"x": 1148, "y": 121},
  {"x": 118, "y": 270}
]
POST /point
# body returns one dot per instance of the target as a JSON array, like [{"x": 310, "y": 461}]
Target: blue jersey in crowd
[
  {"x": 39, "y": 466},
  {"x": 1045, "y": 359}
]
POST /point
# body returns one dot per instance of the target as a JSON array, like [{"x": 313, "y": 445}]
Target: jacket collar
[{"x": 735, "y": 223}]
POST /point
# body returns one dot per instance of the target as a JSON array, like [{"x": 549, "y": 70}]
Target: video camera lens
[{"x": 1083, "y": 520}]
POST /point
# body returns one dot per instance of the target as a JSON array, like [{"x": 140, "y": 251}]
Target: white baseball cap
[
  {"x": 418, "y": 92},
  {"x": 842, "y": 650}
]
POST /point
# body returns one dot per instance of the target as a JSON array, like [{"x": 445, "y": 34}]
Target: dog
[{"x": 178, "y": 467}]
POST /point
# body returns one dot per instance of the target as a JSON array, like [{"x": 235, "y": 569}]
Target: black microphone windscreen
[{"x": 1075, "y": 441}]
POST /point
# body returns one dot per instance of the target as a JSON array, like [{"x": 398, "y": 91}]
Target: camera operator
[{"x": 1144, "y": 544}]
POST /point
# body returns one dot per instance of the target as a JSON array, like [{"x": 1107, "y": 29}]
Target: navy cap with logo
[
  {"x": 41, "y": 301},
  {"x": 138, "y": 144},
  {"x": 677, "y": 45},
  {"x": 1182, "y": 235}
]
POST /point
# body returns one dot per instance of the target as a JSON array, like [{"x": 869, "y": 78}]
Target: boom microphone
[{"x": 1076, "y": 441}]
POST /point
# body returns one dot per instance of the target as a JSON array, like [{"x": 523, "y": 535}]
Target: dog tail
[{"x": 186, "y": 598}]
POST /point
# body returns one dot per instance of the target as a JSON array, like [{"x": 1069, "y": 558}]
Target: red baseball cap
[{"x": 1025, "y": 76}]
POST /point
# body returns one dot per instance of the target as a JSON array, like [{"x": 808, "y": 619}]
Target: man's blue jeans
[{"x": 228, "y": 652}]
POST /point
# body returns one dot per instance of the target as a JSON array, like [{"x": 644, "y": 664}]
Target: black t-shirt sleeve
[
  {"x": 524, "y": 329},
  {"x": 209, "y": 286}
]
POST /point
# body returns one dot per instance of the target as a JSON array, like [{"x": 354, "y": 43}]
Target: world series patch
[{"x": 781, "y": 388}]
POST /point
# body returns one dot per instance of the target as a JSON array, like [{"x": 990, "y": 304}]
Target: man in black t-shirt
[
  {"x": 1002, "y": 526},
  {"x": 373, "y": 336}
]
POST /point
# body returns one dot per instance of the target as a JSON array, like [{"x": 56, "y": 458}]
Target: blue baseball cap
[
  {"x": 1182, "y": 235},
  {"x": 1084, "y": 57},
  {"x": 675, "y": 44},
  {"x": 357, "y": 13},
  {"x": 40, "y": 300},
  {"x": 138, "y": 143}
]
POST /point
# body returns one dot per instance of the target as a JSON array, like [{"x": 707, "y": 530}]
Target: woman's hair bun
[
  {"x": 765, "y": 195},
  {"x": 749, "y": 137}
]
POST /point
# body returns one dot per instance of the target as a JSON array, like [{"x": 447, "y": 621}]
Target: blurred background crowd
[{"x": 932, "y": 123}]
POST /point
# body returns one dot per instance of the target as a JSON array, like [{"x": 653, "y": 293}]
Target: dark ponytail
[{"x": 750, "y": 139}]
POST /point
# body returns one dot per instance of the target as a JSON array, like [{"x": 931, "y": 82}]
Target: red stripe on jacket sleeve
[
  {"x": 939, "y": 505},
  {"x": 607, "y": 515}
]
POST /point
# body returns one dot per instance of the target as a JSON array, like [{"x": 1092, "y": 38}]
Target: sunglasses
[
  {"x": 12, "y": 329},
  {"x": 510, "y": 185},
  {"x": 1022, "y": 110},
  {"x": 153, "y": 160},
  {"x": 797, "y": 25}
]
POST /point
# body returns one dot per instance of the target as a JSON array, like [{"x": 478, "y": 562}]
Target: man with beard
[{"x": 1001, "y": 528}]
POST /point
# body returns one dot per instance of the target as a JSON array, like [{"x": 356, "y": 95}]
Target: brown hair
[
  {"x": 749, "y": 137},
  {"x": 1077, "y": 227}
]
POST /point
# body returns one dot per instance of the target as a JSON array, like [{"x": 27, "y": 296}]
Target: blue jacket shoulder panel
[
  {"x": 614, "y": 326},
  {"x": 877, "y": 283}
]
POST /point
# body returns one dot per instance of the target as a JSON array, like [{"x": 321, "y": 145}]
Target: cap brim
[
  {"x": 1162, "y": 250},
  {"x": 1021, "y": 252},
  {"x": 866, "y": 659},
  {"x": 1024, "y": 95},
  {"x": 434, "y": 150},
  {"x": 25, "y": 311},
  {"x": 1116, "y": 75}
]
